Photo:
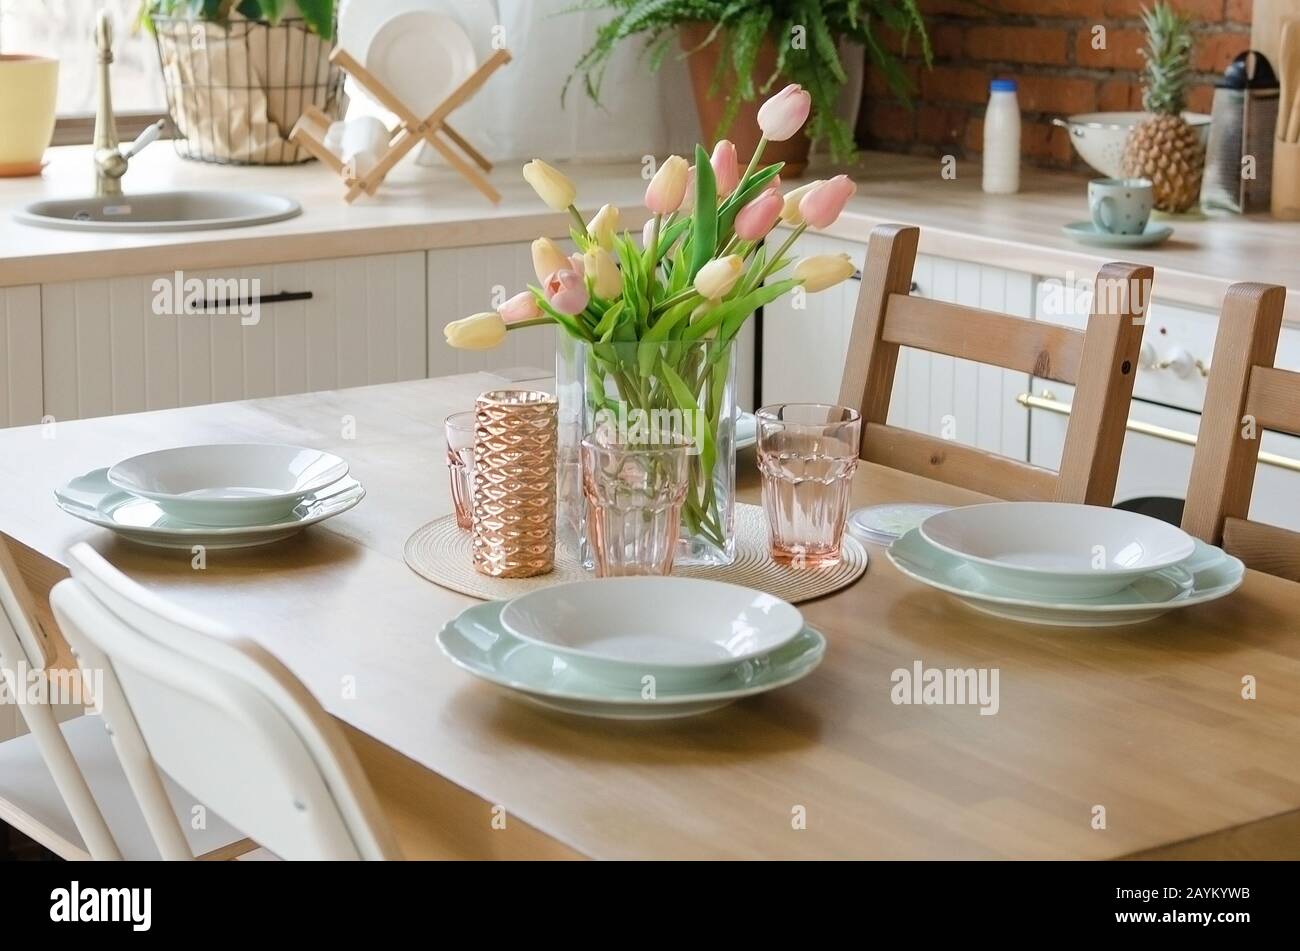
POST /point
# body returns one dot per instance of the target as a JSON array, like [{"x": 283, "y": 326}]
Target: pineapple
[{"x": 1163, "y": 147}]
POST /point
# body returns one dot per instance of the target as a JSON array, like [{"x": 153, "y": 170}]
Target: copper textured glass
[
  {"x": 807, "y": 454},
  {"x": 514, "y": 483},
  {"x": 459, "y": 428},
  {"x": 634, "y": 494}
]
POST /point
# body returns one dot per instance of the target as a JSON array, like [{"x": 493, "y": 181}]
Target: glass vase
[{"x": 648, "y": 393}]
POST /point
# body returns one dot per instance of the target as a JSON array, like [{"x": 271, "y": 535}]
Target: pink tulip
[
  {"x": 821, "y": 206},
  {"x": 760, "y": 216},
  {"x": 576, "y": 263},
  {"x": 785, "y": 113},
  {"x": 523, "y": 306},
  {"x": 726, "y": 168},
  {"x": 567, "y": 292}
]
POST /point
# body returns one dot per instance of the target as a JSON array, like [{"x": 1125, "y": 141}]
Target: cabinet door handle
[
  {"x": 283, "y": 297},
  {"x": 1050, "y": 404}
]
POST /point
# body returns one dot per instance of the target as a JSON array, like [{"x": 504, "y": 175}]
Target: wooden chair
[
  {"x": 62, "y": 784},
  {"x": 1101, "y": 362},
  {"x": 223, "y": 717},
  {"x": 1246, "y": 395}
]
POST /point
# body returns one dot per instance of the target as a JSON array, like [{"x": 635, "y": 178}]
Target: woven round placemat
[{"x": 441, "y": 553}]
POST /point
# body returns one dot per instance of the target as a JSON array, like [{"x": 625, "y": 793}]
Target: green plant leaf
[{"x": 704, "y": 238}]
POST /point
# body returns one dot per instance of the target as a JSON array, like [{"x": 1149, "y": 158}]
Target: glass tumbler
[
  {"x": 807, "y": 454},
  {"x": 459, "y": 429},
  {"x": 634, "y": 493}
]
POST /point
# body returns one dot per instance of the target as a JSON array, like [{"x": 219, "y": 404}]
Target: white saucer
[
  {"x": 1085, "y": 232},
  {"x": 1214, "y": 574},
  {"x": 92, "y": 498}
]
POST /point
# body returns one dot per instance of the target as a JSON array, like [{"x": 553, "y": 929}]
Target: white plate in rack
[{"x": 421, "y": 57}]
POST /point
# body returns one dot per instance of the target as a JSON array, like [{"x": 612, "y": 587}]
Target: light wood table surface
[{"x": 1147, "y": 721}]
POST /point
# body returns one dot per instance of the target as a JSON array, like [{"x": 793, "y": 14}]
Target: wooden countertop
[
  {"x": 424, "y": 208},
  {"x": 1146, "y": 721}
]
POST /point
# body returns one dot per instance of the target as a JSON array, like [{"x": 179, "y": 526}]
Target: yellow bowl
[{"x": 29, "y": 87}]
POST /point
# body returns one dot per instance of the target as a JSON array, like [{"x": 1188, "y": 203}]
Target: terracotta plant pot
[{"x": 743, "y": 130}]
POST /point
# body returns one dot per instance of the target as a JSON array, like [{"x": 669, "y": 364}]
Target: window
[{"x": 65, "y": 30}]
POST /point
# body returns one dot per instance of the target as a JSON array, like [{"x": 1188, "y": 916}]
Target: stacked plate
[
  {"x": 1064, "y": 565},
  {"x": 222, "y": 496},
  {"x": 635, "y": 648}
]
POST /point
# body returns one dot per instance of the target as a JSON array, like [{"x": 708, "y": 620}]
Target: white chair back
[
  {"x": 21, "y": 645},
  {"x": 226, "y": 720}
]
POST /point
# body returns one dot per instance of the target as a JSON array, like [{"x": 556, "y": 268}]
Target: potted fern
[{"x": 738, "y": 50}]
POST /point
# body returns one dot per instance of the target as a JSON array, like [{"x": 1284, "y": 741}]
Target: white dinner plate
[
  {"x": 228, "y": 486},
  {"x": 688, "y": 625},
  {"x": 476, "y": 642},
  {"x": 1213, "y": 574},
  {"x": 421, "y": 57},
  {"x": 746, "y": 430},
  {"x": 92, "y": 498},
  {"x": 1056, "y": 550}
]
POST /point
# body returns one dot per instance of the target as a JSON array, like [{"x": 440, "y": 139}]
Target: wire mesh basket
[{"x": 236, "y": 89}]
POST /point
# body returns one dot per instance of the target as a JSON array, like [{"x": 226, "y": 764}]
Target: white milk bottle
[{"x": 1002, "y": 139}]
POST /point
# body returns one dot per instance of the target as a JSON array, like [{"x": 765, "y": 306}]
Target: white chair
[
  {"x": 222, "y": 717},
  {"x": 62, "y": 785}
]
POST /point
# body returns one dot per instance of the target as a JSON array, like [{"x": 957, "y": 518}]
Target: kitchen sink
[{"x": 160, "y": 211}]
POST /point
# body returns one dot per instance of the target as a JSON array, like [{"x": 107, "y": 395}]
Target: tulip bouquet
[{"x": 656, "y": 319}]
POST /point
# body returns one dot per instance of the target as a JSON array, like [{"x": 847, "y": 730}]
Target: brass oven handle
[{"x": 1049, "y": 403}]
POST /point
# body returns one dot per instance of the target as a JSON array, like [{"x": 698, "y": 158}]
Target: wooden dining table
[{"x": 1179, "y": 737}]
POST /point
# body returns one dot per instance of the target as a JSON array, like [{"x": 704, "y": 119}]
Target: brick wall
[{"x": 1046, "y": 45}]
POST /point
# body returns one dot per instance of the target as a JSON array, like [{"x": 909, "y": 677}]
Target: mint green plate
[
  {"x": 476, "y": 642},
  {"x": 1086, "y": 232},
  {"x": 1214, "y": 574}
]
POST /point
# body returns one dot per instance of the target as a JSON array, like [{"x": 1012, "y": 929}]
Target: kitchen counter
[{"x": 425, "y": 208}]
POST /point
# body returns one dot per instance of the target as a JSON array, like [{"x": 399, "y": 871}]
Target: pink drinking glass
[
  {"x": 807, "y": 454},
  {"x": 634, "y": 494},
  {"x": 459, "y": 428}
]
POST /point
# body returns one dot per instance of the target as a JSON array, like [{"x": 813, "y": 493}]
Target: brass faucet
[{"x": 111, "y": 159}]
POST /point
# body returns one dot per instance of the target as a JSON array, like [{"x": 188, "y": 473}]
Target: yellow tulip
[
  {"x": 547, "y": 259},
  {"x": 667, "y": 189},
  {"x": 479, "y": 332},
  {"x": 551, "y": 186},
  {"x": 600, "y": 267},
  {"x": 719, "y": 276},
  {"x": 604, "y": 226},
  {"x": 790, "y": 212},
  {"x": 823, "y": 270}
]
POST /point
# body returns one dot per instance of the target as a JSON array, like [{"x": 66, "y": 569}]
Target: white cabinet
[
  {"x": 464, "y": 281},
  {"x": 806, "y": 338},
  {"x": 21, "y": 401},
  {"x": 115, "y": 346}
]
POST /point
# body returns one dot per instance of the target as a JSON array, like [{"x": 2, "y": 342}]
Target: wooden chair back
[
  {"x": 227, "y": 721},
  {"x": 1101, "y": 362},
  {"x": 1246, "y": 395},
  {"x": 21, "y": 645}
]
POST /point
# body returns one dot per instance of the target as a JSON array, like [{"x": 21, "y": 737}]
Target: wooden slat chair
[
  {"x": 1246, "y": 395},
  {"x": 63, "y": 784},
  {"x": 1100, "y": 362},
  {"x": 223, "y": 717}
]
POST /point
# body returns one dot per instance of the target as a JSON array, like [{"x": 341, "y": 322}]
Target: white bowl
[
  {"x": 668, "y": 626},
  {"x": 1055, "y": 549},
  {"x": 1099, "y": 137},
  {"x": 228, "y": 484}
]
